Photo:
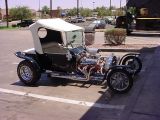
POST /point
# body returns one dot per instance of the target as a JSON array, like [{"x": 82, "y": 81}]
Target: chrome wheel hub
[
  {"x": 119, "y": 81},
  {"x": 26, "y": 73},
  {"x": 134, "y": 65}
]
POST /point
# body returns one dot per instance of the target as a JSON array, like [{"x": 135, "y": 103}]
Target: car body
[
  {"x": 81, "y": 19},
  {"x": 25, "y": 23},
  {"x": 99, "y": 24},
  {"x": 107, "y": 20},
  {"x": 77, "y": 20},
  {"x": 60, "y": 51}
]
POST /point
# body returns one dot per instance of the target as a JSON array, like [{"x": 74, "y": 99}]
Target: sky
[{"x": 34, "y": 4}]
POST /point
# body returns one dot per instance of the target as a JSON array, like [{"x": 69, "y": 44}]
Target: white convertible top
[{"x": 56, "y": 24}]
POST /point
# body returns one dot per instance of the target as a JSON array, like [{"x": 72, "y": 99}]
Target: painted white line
[
  {"x": 15, "y": 63},
  {"x": 63, "y": 100},
  {"x": 29, "y": 50}
]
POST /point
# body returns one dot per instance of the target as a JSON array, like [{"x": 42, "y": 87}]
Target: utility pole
[
  {"x": 77, "y": 8},
  {"x": 126, "y": 3},
  {"x": 93, "y": 5},
  {"x": 39, "y": 5},
  {"x": 51, "y": 8},
  {"x": 39, "y": 9},
  {"x": 6, "y": 2},
  {"x": 110, "y": 5}
]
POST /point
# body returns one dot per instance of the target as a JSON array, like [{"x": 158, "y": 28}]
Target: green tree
[
  {"x": 86, "y": 12},
  {"x": 119, "y": 12},
  {"x": 132, "y": 10},
  {"x": 83, "y": 12},
  {"x": 72, "y": 12},
  {"x": 20, "y": 13},
  {"x": 45, "y": 10},
  {"x": 102, "y": 11}
]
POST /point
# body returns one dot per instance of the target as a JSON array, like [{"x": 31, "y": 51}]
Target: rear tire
[
  {"x": 134, "y": 62},
  {"x": 28, "y": 73},
  {"x": 119, "y": 81}
]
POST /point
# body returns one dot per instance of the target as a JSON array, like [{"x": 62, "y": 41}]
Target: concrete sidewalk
[
  {"x": 147, "y": 106},
  {"x": 146, "y": 102},
  {"x": 133, "y": 43}
]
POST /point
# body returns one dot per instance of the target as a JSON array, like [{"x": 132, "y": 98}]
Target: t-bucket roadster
[{"x": 60, "y": 51}]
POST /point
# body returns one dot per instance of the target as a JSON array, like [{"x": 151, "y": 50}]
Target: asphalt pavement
[
  {"x": 63, "y": 100},
  {"x": 146, "y": 104}
]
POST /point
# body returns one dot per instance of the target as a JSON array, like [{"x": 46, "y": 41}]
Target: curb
[
  {"x": 127, "y": 50},
  {"x": 119, "y": 50}
]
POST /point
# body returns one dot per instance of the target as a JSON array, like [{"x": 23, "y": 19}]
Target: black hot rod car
[{"x": 59, "y": 50}]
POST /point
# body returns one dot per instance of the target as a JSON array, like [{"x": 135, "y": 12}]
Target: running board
[{"x": 75, "y": 77}]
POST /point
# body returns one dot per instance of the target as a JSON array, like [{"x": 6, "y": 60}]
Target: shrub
[{"x": 115, "y": 36}]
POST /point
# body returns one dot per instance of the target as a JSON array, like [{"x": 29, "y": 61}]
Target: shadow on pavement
[
  {"x": 95, "y": 113},
  {"x": 55, "y": 82},
  {"x": 116, "y": 114}
]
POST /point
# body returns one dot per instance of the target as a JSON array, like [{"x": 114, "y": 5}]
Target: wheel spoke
[
  {"x": 133, "y": 63},
  {"x": 26, "y": 73},
  {"x": 119, "y": 81}
]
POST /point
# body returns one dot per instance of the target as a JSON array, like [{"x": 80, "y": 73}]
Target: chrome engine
[{"x": 90, "y": 66}]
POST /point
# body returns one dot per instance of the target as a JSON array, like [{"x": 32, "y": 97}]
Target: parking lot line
[
  {"x": 63, "y": 100},
  {"x": 15, "y": 63}
]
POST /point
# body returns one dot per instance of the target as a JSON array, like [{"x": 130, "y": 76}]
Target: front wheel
[
  {"x": 119, "y": 81},
  {"x": 28, "y": 73}
]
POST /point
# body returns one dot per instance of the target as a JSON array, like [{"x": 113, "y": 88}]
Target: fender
[
  {"x": 29, "y": 58},
  {"x": 130, "y": 54},
  {"x": 119, "y": 67},
  {"x": 115, "y": 67}
]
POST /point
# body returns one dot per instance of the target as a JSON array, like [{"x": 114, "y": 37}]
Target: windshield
[{"x": 75, "y": 37}]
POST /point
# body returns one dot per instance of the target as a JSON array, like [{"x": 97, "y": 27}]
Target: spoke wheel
[
  {"x": 134, "y": 63},
  {"x": 119, "y": 81},
  {"x": 28, "y": 73}
]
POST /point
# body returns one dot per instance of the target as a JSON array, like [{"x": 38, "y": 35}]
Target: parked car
[
  {"x": 60, "y": 52},
  {"x": 25, "y": 23},
  {"x": 91, "y": 18},
  {"x": 107, "y": 20},
  {"x": 80, "y": 19},
  {"x": 77, "y": 20},
  {"x": 99, "y": 24},
  {"x": 73, "y": 20}
]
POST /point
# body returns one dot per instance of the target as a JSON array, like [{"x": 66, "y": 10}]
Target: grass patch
[{"x": 7, "y": 28}]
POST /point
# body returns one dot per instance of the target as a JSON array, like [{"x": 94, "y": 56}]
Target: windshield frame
[{"x": 69, "y": 40}]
